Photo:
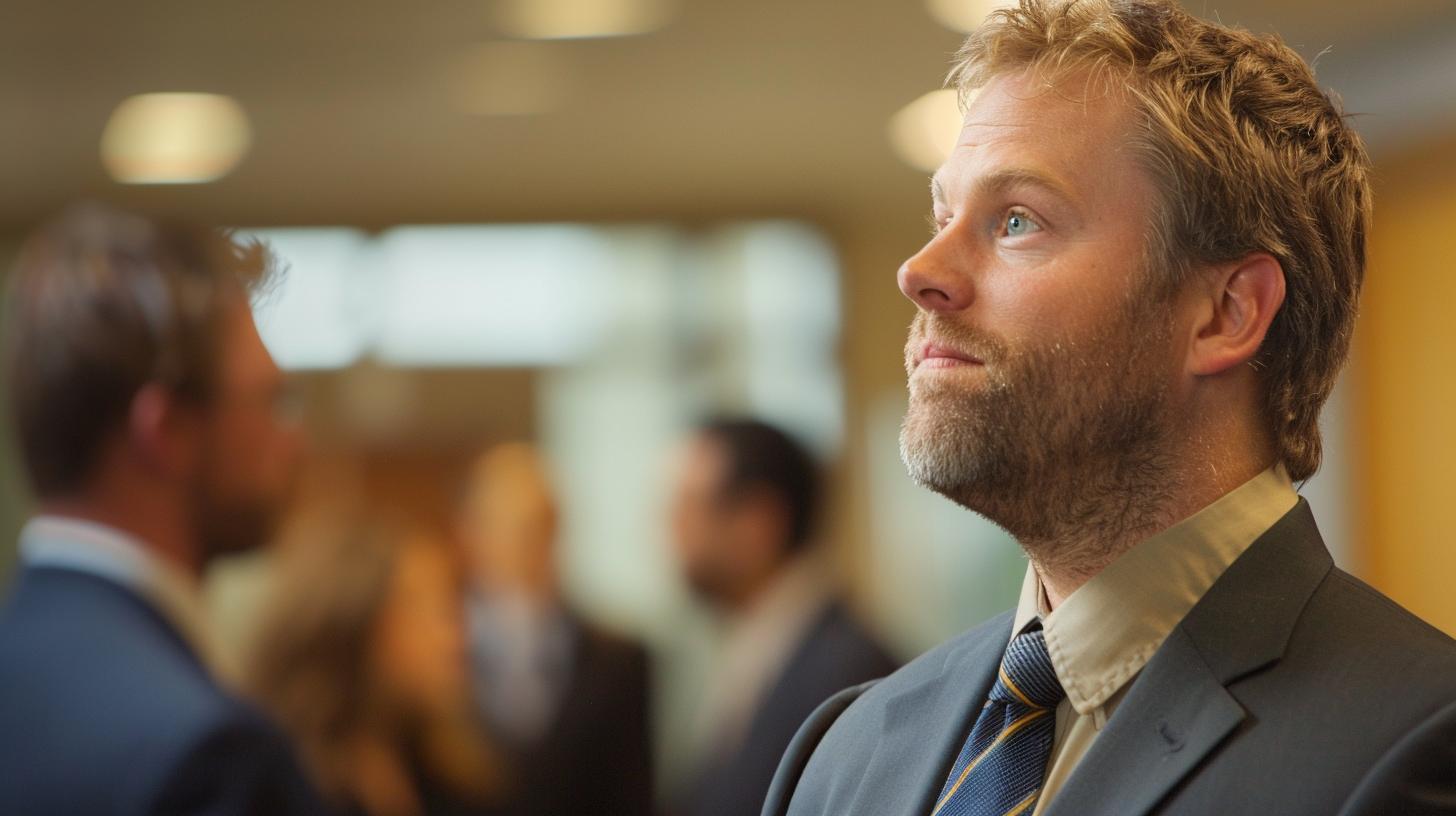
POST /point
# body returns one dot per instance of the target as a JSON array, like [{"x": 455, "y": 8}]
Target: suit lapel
[
  {"x": 1175, "y": 714},
  {"x": 1180, "y": 708},
  {"x": 925, "y": 726}
]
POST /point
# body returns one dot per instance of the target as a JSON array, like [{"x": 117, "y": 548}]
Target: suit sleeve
[
  {"x": 1417, "y": 777},
  {"x": 241, "y": 768},
  {"x": 796, "y": 757}
]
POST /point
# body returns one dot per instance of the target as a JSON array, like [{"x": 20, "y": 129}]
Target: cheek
[{"x": 1069, "y": 299}]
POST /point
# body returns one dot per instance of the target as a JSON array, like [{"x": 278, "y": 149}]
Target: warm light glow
[
  {"x": 964, "y": 15},
  {"x": 174, "y": 138},
  {"x": 924, "y": 132},
  {"x": 506, "y": 79},
  {"x": 577, "y": 19}
]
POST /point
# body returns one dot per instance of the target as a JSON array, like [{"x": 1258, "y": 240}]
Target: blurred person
[
  {"x": 567, "y": 701},
  {"x": 361, "y": 656},
  {"x": 151, "y": 428},
  {"x": 1142, "y": 284},
  {"x": 743, "y": 522}
]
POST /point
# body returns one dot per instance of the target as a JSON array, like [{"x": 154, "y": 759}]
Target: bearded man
[
  {"x": 1149, "y": 246},
  {"x": 154, "y": 434}
]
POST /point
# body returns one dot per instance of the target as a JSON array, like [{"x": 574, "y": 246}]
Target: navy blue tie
[{"x": 1001, "y": 767}]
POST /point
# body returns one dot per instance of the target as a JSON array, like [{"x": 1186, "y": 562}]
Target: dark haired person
[
  {"x": 1149, "y": 250},
  {"x": 148, "y": 415},
  {"x": 743, "y": 528}
]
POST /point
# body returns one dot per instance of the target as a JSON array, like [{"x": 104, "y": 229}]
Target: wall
[{"x": 1406, "y": 358}]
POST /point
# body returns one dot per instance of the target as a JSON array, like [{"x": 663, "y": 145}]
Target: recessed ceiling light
[
  {"x": 964, "y": 15},
  {"x": 579, "y": 19},
  {"x": 174, "y": 138},
  {"x": 506, "y": 79},
  {"x": 924, "y": 132}
]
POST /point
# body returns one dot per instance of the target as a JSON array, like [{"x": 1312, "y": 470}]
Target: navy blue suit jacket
[{"x": 105, "y": 711}]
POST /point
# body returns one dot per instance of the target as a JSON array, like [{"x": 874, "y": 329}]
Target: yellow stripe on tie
[
  {"x": 1024, "y": 804},
  {"x": 1000, "y": 738},
  {"x": 1006, "y": 681}
]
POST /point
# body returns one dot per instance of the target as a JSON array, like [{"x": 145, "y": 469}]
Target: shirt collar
[
  {"x": 113, "y": 555},
  {"x": 1106, "y": 631}
]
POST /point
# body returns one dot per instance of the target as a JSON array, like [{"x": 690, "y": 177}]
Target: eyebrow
[{"x": 1003, "y": 180}]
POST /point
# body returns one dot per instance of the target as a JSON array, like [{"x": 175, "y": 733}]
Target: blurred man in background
[
  {"x": 566, "y": 702},
  {"x": 147, "y": 412},
  {"x": 743, "y": 524}
]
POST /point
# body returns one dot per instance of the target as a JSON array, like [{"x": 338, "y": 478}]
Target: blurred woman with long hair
[{"x": 360, "y": 657}]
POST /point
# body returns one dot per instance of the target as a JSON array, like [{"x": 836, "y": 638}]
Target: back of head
[
  {"x": 102, "y": 302},
  {"x": 1249, "y": 155}
]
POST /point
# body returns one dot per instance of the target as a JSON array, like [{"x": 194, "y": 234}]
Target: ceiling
[{"x": 745, "y": 107}]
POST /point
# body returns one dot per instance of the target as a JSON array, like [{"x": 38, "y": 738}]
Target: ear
[
  {"x": 162, "y": 434},
  {"x": 1235, "y": 311}
]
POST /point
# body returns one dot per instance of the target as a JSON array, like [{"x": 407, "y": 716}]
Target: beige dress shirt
[{"x": 1106, "y": 631}]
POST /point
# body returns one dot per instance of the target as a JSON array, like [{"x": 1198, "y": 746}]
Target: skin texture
[{"x": 1053, "y": 387}]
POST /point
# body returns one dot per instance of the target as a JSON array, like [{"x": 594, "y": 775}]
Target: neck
[
  {"x": 160, "y": 526},
  {"x": 1108, "y": 515}
]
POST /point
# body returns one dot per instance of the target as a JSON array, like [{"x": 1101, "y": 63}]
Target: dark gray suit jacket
[{"x": 1278, "y": 693}]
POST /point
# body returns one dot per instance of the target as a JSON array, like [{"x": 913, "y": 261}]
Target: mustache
[{"x": 942, "y": 331}]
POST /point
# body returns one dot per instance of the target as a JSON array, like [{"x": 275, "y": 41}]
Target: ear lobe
[{"x": 1242, "y": 303}]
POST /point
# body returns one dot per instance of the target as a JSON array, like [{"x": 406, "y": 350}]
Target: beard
[
  {"x": 228, "y": 519},
  {"x": 1058, "y": 442}
]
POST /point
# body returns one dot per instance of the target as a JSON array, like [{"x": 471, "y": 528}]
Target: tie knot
[{"x": 1027, "y": 677}]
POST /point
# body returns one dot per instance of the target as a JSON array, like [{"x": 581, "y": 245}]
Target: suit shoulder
[
  {"x": 869, "y": 699},
  {"x": 1354, "y": 611},
  {"x": 930, "y": 663}
]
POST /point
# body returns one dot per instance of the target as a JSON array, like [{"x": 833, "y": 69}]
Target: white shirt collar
[{"x": 108, "y": 553}]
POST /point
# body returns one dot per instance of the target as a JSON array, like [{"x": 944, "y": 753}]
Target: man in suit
[
  {"x": 145, "y": 406},
  {"x": 1142, "y": 285},
  {"x": 743, "y": 519},
  {"x": 567, "y": 702}
]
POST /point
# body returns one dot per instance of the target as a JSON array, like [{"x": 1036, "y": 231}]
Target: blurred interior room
[{"x": 590, "y": 225}]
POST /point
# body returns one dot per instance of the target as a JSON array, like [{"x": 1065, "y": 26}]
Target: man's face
[
  {"x": 251, "y": 446},
  {"x": 701, "y": 534},
  {"x": 1038, "y": 349}
]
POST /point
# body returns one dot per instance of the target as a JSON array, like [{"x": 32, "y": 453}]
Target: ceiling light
[
  {"x": 174, "y": 138},
  {"x": 924, "y": 132},
  {"x": 506, "y": 79},
  {"x": 964, "y": 15},
  {"x": 578, "y": 19}
]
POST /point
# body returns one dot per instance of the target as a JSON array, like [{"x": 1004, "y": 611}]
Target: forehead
[
  {"x": 1071, "y": 136},
  {"x": 243, "y": 354},
  {"x": 701, "y": 463}
]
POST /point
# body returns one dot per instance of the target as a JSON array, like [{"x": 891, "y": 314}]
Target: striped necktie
[{"x": 1000, "y": 769}]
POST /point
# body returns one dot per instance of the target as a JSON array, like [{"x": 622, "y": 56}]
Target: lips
[{"x": 939, "y": 355}]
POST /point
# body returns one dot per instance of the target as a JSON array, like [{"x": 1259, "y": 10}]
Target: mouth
[{"x": 936, "y": 355}]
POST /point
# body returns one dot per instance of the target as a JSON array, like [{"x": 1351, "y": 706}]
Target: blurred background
[{"x": 590, "y": 223}]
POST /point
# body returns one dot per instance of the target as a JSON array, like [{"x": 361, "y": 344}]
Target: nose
[{"x": 936, "y": 278}]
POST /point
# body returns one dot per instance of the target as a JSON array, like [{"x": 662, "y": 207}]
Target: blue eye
[{"x": 1020, "y": 224}]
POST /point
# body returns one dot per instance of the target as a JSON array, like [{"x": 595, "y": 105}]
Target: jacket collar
[{"x": 1179, "y": 708}]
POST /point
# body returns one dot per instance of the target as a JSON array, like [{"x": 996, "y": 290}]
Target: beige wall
[{"x": 1406, "y": 352}]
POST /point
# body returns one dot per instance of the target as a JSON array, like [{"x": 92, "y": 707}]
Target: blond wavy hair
[{"x": 1248, "y": 154}]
